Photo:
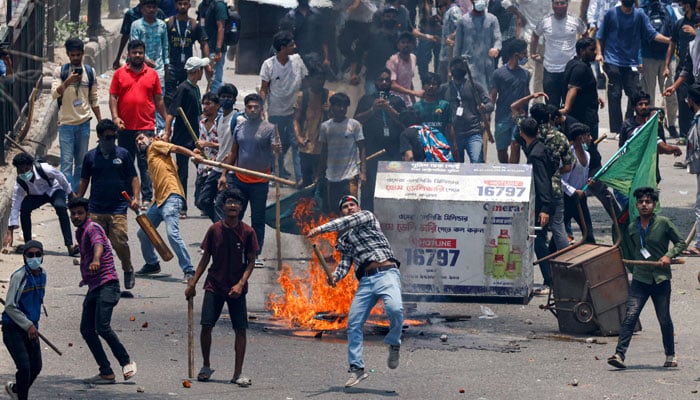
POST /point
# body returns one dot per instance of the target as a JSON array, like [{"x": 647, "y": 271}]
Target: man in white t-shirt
[
  {"x": 560, "y": 31},
  {"x": 281, "y": 77},
  {"x": 343, "y": 152}
]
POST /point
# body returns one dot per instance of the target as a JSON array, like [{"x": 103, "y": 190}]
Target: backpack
[
  {"x": 42, "y": 174},
  {"x": 305, "y": 105},
  {"x": 435, "y": 144},
  {"x": 662, "y": 21},
  {"x": 64, "y": 75},
  {"x": 232, "y": 26}
]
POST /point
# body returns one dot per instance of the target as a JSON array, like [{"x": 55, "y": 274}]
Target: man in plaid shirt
[
  {"x": 100, "y": 275},
  {"x": 363, "y": 243}
]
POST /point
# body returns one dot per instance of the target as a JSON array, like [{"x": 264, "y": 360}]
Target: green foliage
[{"x": 66, "y": 29}]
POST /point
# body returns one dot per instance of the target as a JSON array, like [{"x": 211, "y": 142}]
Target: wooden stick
[
  {"x": 653, "y": 263},
  {"x": 191, "y": 131},
  {"x": 600, "y": 138},
  {"x": 322, "y": 261},
  {"x": 42, "y": 337},
  {"x": 691, "y": 234},
  {"x": 248, "y": 172},
  {"x": 190, "y": 337},
  {"x": 278, "y": 206}
]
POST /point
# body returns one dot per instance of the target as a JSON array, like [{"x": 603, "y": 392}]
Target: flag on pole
[{"x": 634, "y": 165}]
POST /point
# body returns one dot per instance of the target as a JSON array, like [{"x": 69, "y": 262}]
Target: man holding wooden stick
[
  {"x": 169, "y": 200},
  {"x": 253, "y": 147},
  {"x": 232, "y": 246},
  {"x": 20, "y": 320},
  {"x": 376, "y": 267}
]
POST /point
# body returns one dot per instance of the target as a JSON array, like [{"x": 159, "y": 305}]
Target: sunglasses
[{"x": 32, "y": 254}]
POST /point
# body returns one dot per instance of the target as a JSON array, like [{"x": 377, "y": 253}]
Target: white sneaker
[
  {"x": 10, "y": 389},
  {"x": 259, "y": 263},
  {"x": 356, "y": 376}
]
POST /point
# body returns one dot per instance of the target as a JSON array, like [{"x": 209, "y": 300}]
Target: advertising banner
[{"x": 459, "y": 229}]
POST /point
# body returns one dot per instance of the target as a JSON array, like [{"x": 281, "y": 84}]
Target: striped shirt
[
  {"x": 88, "y": 235},
  {"x": 362, "y": 242}
]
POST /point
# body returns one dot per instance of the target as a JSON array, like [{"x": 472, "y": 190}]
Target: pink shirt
[{"x": 402, "y": 73}]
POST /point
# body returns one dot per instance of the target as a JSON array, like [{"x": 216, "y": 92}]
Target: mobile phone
[
  {"x": 383, "y": 95},
  {"x": 78, "y": 71}
]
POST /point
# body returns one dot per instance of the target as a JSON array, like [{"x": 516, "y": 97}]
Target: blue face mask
[
  {"x": 27, "y": 176},
  {"x": 227, "y": 103},
  {"x": 522, "y": 60},
  {"x": 34, "y": 263}
]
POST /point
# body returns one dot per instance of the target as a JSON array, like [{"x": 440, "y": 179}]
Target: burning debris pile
[{"x": 308, "y": 301}]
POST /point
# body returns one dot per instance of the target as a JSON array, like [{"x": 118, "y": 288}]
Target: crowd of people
[{"x": 472, "y": 60}]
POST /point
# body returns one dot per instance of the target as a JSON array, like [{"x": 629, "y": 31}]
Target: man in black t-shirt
[
  {"x": 582, "y": 101},
  {"x": 379, "y": 115},
  {"x": 182, "y": 33}
]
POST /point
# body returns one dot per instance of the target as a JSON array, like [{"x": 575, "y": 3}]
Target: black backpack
[
  {"x": 42, "y": 174},
  {"x": 64, "y": 75},
  {"x": 662, "y": 22},
  {"x": 232, "y": 26}
]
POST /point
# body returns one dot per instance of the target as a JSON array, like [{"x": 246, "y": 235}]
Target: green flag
[{"x": 634, "y": 165}]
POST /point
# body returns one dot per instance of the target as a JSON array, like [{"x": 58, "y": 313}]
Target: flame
[{"x": 307, "y": 295}]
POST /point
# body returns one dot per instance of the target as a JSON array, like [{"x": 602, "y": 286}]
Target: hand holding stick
[
  {"x": 324, "y": 265},
  {"x": 42, "y": 337}
]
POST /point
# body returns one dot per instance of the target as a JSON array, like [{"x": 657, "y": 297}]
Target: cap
[
  {"x": 389, "y": 9},
  {"x": 347, "y": 198},
  {"x": 194, "y": 63},
  {"x": 33, "y": 244}
]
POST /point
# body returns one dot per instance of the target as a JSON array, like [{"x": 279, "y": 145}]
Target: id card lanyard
[
  {"x": 182, "y": 39},
  {"x": 642, "y": 239},
  {"x": 460, "y": 110}
]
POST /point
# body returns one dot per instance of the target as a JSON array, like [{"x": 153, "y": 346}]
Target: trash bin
[{"x": 589, "y": 289}]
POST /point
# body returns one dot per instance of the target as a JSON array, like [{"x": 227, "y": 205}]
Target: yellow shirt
[
  {"x": 77, "y": 101},
  {"x": 163, "y": 171}
]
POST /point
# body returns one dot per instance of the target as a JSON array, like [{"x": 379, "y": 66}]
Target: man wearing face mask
[
  {"x": 559, "y": 31},
  {"x": 468, "y": 102},
  {"x": 481, "y": 54},
  {"x": 618, "y": 43},
  {"x": 20, "y": 320},
  {"x": 111, "y": 171},
  {"x": 38, "y": 184}
]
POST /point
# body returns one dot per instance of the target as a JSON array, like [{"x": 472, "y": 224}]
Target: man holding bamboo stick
[
  {"x": 231, "y": 245},
  {"x": 376, "y": 267}
]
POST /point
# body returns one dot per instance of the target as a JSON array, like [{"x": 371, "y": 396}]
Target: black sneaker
[
  {"x": 74, "y": 250},
  {"x": 129, "y": 279},
  {"x": 149, "y": 269}
]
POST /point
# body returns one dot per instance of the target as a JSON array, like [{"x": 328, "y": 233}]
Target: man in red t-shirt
[
  {"x": 233, "y": 246},
  {"x": 134, "y": 96}
]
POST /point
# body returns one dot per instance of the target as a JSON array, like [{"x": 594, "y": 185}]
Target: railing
[{"x": 25, "y": 36}]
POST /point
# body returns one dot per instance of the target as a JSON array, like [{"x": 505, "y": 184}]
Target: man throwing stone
[{"x": 363, "y": 243}]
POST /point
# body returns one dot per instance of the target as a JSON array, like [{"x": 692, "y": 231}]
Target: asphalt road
[{"x": 514, "y": 356}]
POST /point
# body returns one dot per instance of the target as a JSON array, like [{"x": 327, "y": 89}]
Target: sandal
[
  {"x": 670, "y": 364},
  {"x": 99, "y": 380},
  {"x": 242, "y": 381},
  {"x": 129, "y": 370},
  {"x": 204, "y": 373},
  {"x": 691, "y": 252}
]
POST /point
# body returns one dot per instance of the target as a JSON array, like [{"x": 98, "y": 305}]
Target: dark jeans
[
  {"x": 685, "y": 113},
  {"x": 571, "y": 210},
  {"x": 352, "y": 39},
  {"x": 206, "y": 198},
  {"x": 183, "y": 170},
  {"x": 256, "y": 194},
  {"x": 127, "y": 140},
  {"x": 639, "y": 293},
  {"x": 542, "y": 250},
  {"x": 309, "y": 167},
  {"x": 32, "y": 202},
  {"x": 552, "y": 85},
  {"x": 96, "y": 321},
  {"x": 425, "y": 50},
  {"x": 619, "y": 79},
  {"x": 27, "y": 357}
]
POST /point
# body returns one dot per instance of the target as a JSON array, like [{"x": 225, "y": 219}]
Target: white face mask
[{"x": 479, "y": 5}]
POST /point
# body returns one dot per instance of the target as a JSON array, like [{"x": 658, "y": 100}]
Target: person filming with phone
[{"x": 75, "y": 89}]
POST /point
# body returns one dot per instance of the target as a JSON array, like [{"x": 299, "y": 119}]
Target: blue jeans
[
  {"x": 638, "y": 295},
  {"x": 256, "y": 194},
  {"x": 169, "y": 212},
  {"x": 160, "y": 120},
  {"x": 218, "y": 78},
  {"x": 556, "y": 225},
  {"x": 27, "y": 357},
  {"x": 96, "y": 321},
  {"x": 74, "y": 141},
  {"x": 473, "y": 145},
  {"x": 285, "y": 127},
  {"x": 384, "y": 285}
]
